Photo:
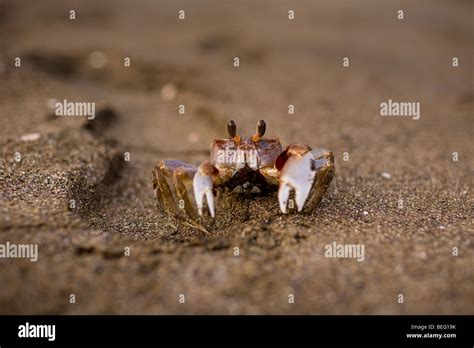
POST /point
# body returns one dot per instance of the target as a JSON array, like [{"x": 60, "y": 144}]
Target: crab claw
[
  {"x": 203, "y": 186},
  {"x": 297, "y": 172},
  {"x": 307, "y": 172}
]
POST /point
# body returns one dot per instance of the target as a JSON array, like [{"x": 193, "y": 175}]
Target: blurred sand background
[{"x": 408, "y": 250}]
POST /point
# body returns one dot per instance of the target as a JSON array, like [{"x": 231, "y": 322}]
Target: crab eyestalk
[
  {"x": 232, "y": 130},
  {"x": 260, "y": 132}
]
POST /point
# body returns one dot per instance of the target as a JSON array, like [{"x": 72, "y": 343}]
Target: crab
[{"x": 245, "y": 165}]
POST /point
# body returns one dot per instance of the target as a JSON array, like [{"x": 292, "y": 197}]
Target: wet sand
[{"x": 397, "y": 190}]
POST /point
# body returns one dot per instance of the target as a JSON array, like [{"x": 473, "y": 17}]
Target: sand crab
[{"x": 245, "y": 164}]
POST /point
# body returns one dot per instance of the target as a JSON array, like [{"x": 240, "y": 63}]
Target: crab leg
[
  {"x": 325, "y": 170},
  {"x": 163, "y": 192},
  {"x": 307, "y": 172},
  {"x": 181, "y": 177},
  {"x": 203, "y": 185},
  {"x": 169, "y": 183}
]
